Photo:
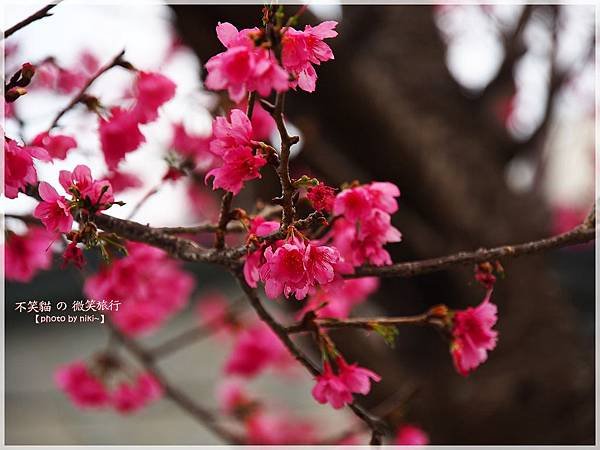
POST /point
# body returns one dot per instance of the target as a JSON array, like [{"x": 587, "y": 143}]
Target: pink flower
[
  {"x": 98, "y": 195},
  {"x": 19, "y": 170},
  {"x": 411, "y": 435},
  {"x": 148, "y": 284},
  {"x": 283, "y": 271},
  {"x": 152, "y": 91},
  {"x": 73, "y": 254},
  {"x": 232, "y": 144},
  {"x": 53, "y": 210},
  {"x": 27, "y": 254},
  {"x": 319, "y": 263},
  {"x": 256, "y": 348},
  {"x": 57, "y": 145},
  {"x": 243, "y": 67},
  {"x": 263, "y": 123},
  {"x": 357, "y": 379},
  {"x": 321, "y": 197},
  {"x": 194, "y": 148},
  {"x": 383, "y": 196},
  {"x": 119, "y": 135},
  {"x": 238, "y": 166},
  {"x": 331, "y": 389},
  {"x": 252, "y": 266},
  {"x": 83, "y": 388},
  {"x": 473, "y": 336},
  {"x": 130, "y": 397},
  {"x": 302, "y": 49}
]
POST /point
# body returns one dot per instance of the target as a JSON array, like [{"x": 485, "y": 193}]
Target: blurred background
[{"x": 482, "y": 115}]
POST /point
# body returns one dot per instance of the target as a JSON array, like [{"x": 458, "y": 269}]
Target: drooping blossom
[
  {"x": 119, "y": 135},
  {"x": 129, "y": 397},
  {"x": 411, "y": 435},
  {"x": 152, "y": 90},
  {"x": 54, "y": 210},
  {"x": 148, "y": 284},
  {"x": 321, "y": 197},
  {"x": 192, "y": 147},
  {"x": 57, "y": 145},
  {"x": 19, "y": 170},
  {"x": 73, "y": 255},
  {"x": 263, "y": 123},
  {"x": 244, "y": 67},
  {"x": 97, "y": 194},
  {"x": 256, "y": 348},
  {"x": 83, "y": 388},
  {"x": 472, "y": 335},
  {"x": 329, "y": 388},
  {"x": 278, "y": 428},
  {"x": 364, "y": 225},
  {"x": 337, "y": 389},
  {"x": 340, "y": 298},
  {"x": 27, "y": 254},
  {"x": 356, "y": 378},
  {"x": 301, "y": 50},
  {"x": 232, "y": 144}
]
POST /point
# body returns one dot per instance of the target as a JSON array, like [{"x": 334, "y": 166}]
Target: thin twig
[
  {"x": 200, "y": 413},
  {"x": 116, "y": 61},
  {"x": 44, "y": 12},
  {"x": 366, "y": 323},
  {"x": 224, "y": 218},
  {"x": 579, "y": 235}
]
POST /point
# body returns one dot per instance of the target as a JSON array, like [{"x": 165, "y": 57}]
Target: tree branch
[
  {"x": 44, "y": 12},
  {"x": 583, "y": 233},
  {"x": 375, "y": 424},
  {"x": 365, "y": 323}
]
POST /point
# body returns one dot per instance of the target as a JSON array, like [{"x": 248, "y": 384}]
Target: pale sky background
[{"x": 144, "y": 30}]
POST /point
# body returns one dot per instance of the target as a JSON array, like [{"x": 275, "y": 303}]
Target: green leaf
[{"x": 387, "y": 332}]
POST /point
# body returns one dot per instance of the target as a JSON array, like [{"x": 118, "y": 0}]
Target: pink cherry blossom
[
  {"x": 83, "y": 388},
  {"x": 472, "y": 335},
  {"x": 411, "y": 435},
  {"x": 243, "y": 67},
  {"x": 252, "y": 266},
  {"x": 152, "y": 90},
  {"x": 283, "y": 271},
  {"x": 19, "y": 170},
  {"x": 73, "y": 254},
  {"x": 263, "y": 123},
  {"x": 356, "y": 378},
  {"x": 97, "y": 194},
  {"x": 256, "y": 348},
  {"x": 321, "y": 197},
  {"x": 232, "y": 144},
  {"x": 354, "y": 204},
  {"x": 57, "y": 145},
  {"x": 119, "y": 135},
  {"x": 148, "y": 284},
  {"x": 54, "y": 210},
  {"x": 302, "y": 49},
  {"x": 130, "y": 397},
  {"x": 329, "y": 388},
  {"x": 27, "y": 254}
]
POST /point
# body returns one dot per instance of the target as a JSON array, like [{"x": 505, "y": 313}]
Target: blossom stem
[
  {"x": 40, "y": 14},
  {"x": 116, "y": 61}
]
